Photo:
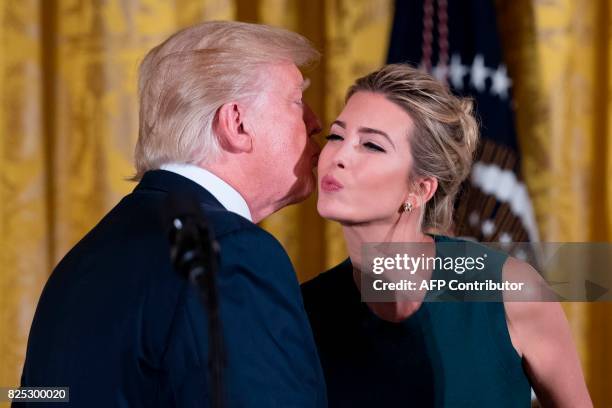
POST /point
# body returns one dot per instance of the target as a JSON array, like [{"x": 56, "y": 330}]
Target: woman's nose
[{"x": 341, "y": 156}]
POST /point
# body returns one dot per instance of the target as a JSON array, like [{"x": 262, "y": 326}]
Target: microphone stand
[{"x": 194, "y": 253}]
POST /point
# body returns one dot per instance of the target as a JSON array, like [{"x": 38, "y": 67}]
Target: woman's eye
[
  {"x": 333, "y": 137},
  {"x": 374, "y": 147}
]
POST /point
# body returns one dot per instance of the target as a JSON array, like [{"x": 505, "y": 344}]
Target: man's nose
[{"x": 313, "y": 125}]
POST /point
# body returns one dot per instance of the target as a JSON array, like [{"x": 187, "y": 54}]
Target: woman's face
[{"x": 364, "y": 167}]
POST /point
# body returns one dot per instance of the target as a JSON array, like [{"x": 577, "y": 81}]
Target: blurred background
[{"x": 68, "y": 125}]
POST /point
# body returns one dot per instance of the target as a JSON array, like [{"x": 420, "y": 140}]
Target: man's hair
[
  {"x": 186, "y": 79},
  {"x": 444, "y": 138}
]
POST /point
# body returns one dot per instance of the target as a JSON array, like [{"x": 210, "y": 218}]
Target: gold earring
[{"x": 407, "y": 206}]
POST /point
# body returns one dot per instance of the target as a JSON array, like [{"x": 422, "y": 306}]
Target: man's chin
[{"x": 301, "y": 191}]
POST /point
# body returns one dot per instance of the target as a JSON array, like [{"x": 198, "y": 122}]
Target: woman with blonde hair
[{"x": 389, "y": 173}]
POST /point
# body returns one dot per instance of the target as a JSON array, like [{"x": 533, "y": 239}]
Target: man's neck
[
  {"x": 216, "y": 184},
  {"x": 253, "y": 190}
]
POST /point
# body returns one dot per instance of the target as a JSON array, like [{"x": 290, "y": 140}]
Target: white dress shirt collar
[{"x": 221, "y": 190}]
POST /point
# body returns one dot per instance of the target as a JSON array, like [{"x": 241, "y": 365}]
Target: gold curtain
[
  {"x": 24, "y": 222},
  {"x": 559, "y": 55},
  {"x": 68, "y": 126}
]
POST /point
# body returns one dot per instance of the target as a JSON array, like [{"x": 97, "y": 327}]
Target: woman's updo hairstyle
[{"x": 444, "y": 138}]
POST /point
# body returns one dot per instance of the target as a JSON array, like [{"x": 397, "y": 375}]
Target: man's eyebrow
[{"x": 339, "y": 123}]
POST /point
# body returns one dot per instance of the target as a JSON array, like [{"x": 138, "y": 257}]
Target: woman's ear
[
  {"x": 230, "y": 129},
  {"x": 427, "y": 188}
]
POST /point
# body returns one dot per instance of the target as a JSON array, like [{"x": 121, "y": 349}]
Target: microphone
[{"x": 194, "y": 253}]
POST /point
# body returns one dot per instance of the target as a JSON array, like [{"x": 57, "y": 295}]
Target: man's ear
[{"x": 229, "y": 126}]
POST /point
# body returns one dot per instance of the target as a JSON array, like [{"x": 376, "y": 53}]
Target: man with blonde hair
[{"x": 222, "y": 119}]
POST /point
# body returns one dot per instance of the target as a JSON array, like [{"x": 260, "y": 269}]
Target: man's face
[{"x": 283, "y": 126}]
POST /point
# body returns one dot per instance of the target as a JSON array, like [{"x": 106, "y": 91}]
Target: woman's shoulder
[
  {"x": 328, "y": 281},
  {"x": 465, "y": 246},
  {"x": 331, "y": 294}
]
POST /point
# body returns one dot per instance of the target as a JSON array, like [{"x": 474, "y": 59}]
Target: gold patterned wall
[
  {"x": 68, "y": 124},
  {"x": 559, "y": 54},
  {"x": 24, "y": 214}
]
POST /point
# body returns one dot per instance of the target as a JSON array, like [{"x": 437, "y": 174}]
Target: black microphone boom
[{"x": 194, "y": 253}]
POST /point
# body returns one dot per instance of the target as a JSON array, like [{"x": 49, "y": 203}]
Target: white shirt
[{"x": 222, "y": 191}]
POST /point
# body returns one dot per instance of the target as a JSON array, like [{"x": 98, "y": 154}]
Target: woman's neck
[
  {"x": 403, "y": 229},
  {"x": 407, "y": 232}
]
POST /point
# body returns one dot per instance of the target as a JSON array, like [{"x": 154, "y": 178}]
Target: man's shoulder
[
  {"x": 227, "y": 225},
  {"x": 133, "y": 232},
  {"x": 243, "y": 242}
]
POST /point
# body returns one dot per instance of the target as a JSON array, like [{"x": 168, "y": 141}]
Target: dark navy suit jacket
[{"x": 121, "y": 328}]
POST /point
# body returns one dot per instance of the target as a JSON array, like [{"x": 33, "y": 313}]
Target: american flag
[{"x": 458, "y": 42}]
